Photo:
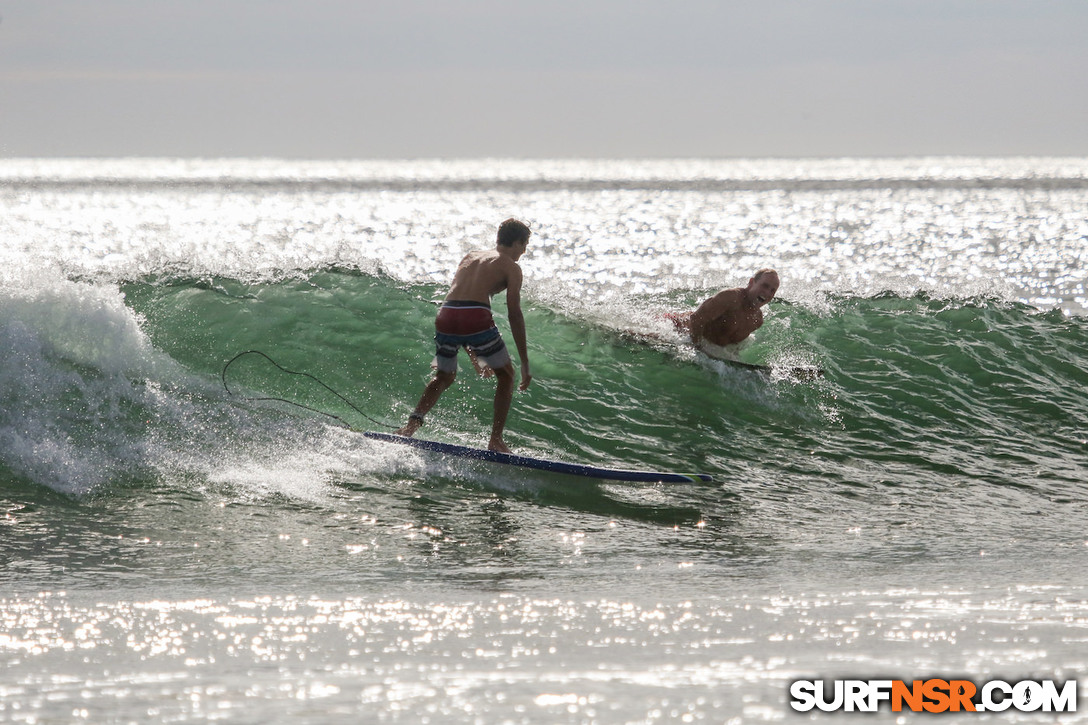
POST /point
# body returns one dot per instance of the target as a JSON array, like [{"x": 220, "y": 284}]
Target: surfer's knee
[
  {"x": 444, "y": 378},
  {"x": 505, "y": 374}
]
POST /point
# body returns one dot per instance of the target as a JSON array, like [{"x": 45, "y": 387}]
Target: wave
[
  {"x": 107, "y": 386},
  {"x": 89, "y": 403}
]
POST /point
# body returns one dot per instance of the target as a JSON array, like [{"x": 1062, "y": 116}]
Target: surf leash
[{"x": 223, "y": 377}]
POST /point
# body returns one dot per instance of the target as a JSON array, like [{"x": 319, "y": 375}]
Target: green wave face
[
  {"x": 916, "y": 391},
  {"x": 908, "y": 380}
]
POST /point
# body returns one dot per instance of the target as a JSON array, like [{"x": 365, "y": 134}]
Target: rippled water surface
[{"x": 174, "y": 551}]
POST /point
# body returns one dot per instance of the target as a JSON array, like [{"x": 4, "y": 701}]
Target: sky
[{"x": 406, "y": 79}]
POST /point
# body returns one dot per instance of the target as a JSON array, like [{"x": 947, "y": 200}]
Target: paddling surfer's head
[{"x": 762, "y": 287}]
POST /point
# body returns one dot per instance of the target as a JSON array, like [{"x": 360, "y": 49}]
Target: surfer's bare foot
[
  {"x": 498, "y": 446},
  {"x": 409, "y": 430}
]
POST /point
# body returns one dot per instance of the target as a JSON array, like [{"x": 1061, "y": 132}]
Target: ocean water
[{"x": 174, "y": 551}]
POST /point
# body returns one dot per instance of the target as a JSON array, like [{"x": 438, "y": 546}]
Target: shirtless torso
[
  {"x": 730, "y": 316},
  {"x": 483, "y": 274},
  {"x": 725, "y": 319}
]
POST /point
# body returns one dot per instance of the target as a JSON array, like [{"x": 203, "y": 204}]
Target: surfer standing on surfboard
[
  {"x": 464, "y": 320},
  {"x": 730, "y": 316}
]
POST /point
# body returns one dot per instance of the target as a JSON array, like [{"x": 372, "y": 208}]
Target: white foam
[
  {"x": 86, "y": 400},
  {"x": 86, "y": 324}
]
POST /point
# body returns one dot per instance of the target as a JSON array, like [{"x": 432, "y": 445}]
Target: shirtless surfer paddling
[
  {"x": 730, "y": 316},
  {"x": 464, "y": 320}
]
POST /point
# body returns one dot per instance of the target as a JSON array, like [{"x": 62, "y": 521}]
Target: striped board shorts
[{"x": 467, "y": 324}]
